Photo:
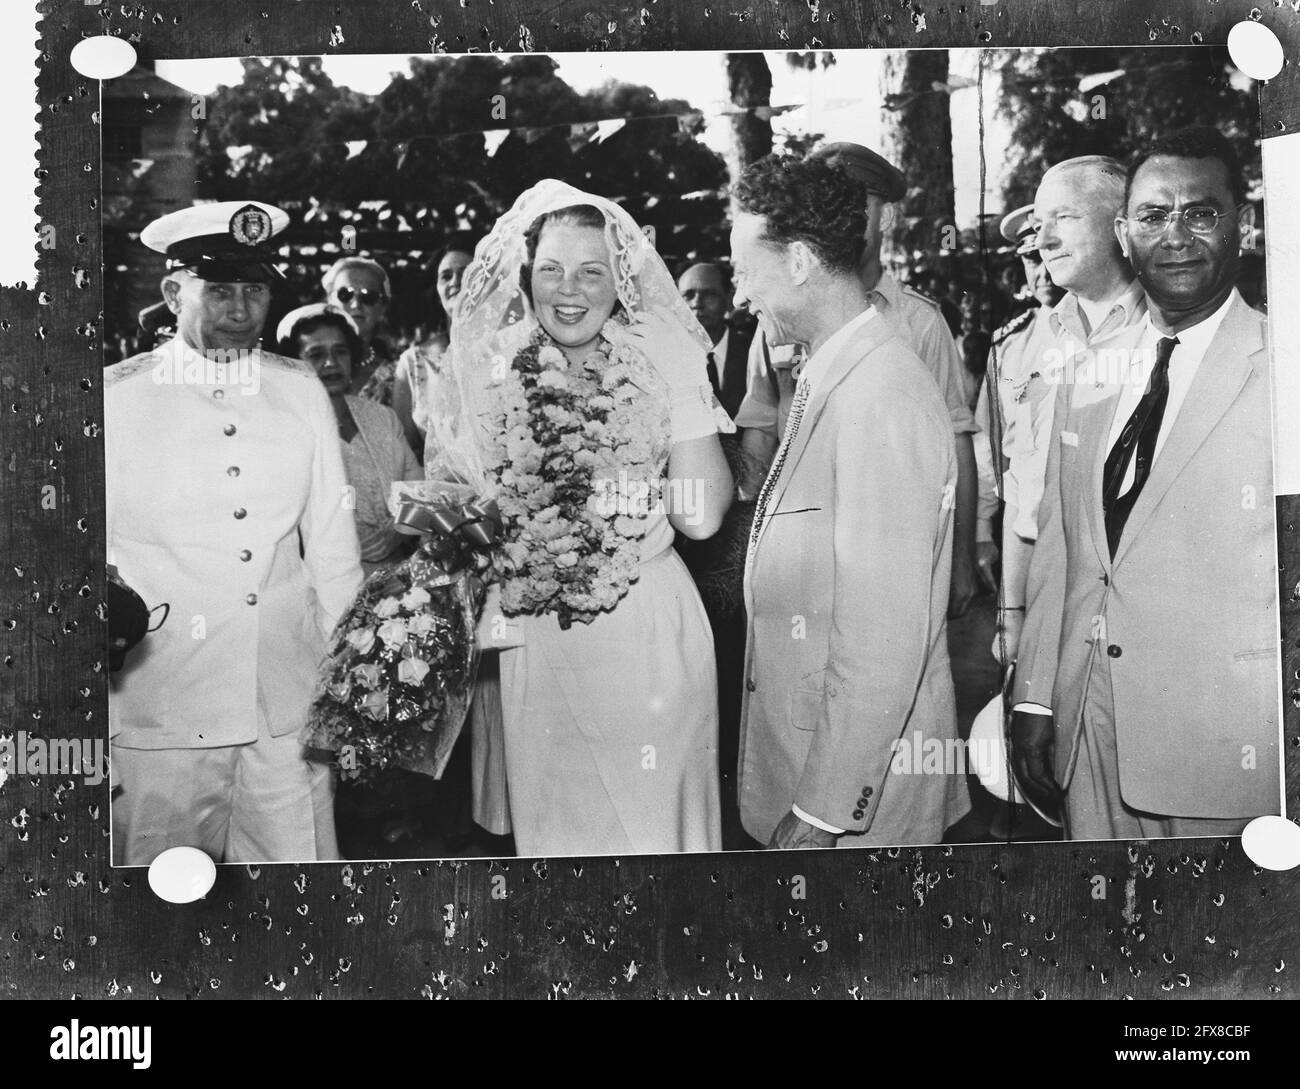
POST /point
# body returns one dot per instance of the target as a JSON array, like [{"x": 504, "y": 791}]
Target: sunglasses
[{"x": 364, "y": 296}]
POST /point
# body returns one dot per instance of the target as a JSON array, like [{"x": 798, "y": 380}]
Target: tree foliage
[
  {"x": 406, "y": 166},
  {"x": 1067, "y": 102}
]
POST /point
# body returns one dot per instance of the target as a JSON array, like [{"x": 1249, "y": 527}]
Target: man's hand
[
  {"x": 795, "y": 833},
  {"x": 1032, "y": 738},
  {"x": 963, "y": 587},
  {"x": 986, "y": 560},
  {"x": 1006, "y": 639}
]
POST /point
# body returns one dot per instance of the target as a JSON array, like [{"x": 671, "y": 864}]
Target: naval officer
[{"x": 226, "y": 498}]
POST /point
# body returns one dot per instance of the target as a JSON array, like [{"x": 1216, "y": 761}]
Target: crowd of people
[{"x": 852, "y": 459}]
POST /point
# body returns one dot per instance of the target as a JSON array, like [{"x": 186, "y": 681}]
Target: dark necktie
[
  {"x": 713, "y": 375},
  {"x": 1136, "y": 444}
]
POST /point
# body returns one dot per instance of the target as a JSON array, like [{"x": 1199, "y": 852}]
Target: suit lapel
[
  {"x": 1229, "y": 361},
  {"x": 1093, "y": 459},
  {"x": 872, "y": 336}
]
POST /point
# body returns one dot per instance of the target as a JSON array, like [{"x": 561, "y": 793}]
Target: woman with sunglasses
[{"x": 360, "y": 288}]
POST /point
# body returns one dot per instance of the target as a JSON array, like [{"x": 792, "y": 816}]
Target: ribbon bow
[{"x": 455, "y": 530}]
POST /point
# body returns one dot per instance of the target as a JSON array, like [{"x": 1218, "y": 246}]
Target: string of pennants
[{"x": 579, "y": 134}]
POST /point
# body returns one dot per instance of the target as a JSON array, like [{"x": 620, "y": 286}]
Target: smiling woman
[
  {"x": 375, "y": 451},
  {"x": 568, "y": 278}
]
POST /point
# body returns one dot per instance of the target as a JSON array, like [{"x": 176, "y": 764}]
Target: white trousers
[{"x": 259, "y": 802}]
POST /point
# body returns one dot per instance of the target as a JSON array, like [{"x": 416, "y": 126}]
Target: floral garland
[{"x": 567, "y": 439}]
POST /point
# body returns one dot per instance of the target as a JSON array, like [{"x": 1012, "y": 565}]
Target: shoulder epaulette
[
  {"x": 1014, "y": 325},
  {"x": 129, "y": 368}
]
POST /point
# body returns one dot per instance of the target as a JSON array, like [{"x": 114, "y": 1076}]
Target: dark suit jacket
[{"x": 733, "y": 371}]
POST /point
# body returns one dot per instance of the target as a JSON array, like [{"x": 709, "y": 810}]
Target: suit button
[
  {"x": 240, "y": 512},
  {"x": 1114, "y": 651},
  {"x": 1105, "y": 580},
  {"x": 218, "y": 393},
  {"x": 245, "y": 555},
  {"x": 750, "y": 686},
  {"x": 233, "y": 471},
  {"x": 229, "y": 429},
  {"x": 251, "y": 599},
  {"x": 858, "y": 814}
]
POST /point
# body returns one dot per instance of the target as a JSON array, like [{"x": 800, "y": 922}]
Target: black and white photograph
[
  {"x": 792, "y": 500},
  {"x": 538, "y": 456}
]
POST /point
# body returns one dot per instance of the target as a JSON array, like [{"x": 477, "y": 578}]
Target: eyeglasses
[
  {"x": 1200, "y": 219},
  {"x": 363, "y": 295}
]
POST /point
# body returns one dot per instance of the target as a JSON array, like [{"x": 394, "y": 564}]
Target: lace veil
[{"x": 493, "y": 319}]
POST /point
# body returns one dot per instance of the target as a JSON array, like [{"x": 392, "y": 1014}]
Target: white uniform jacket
[{"x": 226, "y": 499}]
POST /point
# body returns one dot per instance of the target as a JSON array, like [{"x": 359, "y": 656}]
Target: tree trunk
[
  {"x": 918, "y": 140},
  {"x": 749, "y": 81}
]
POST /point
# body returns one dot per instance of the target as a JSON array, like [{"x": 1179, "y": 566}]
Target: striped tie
[{"x": 774, "y": 474}]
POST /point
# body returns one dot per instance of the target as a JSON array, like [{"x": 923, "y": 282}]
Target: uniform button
[
  {"x": 240, "y": 512},
  {"x": 233, "y": 471},
  {"x": 251, "y": 599},
  {"x": 1114, "y": 651},
  {"x": 245, "y": 555},
  {"x": 866, "y": 792},
  {"x": 857, "y": 814},
  {"x": 229, "y": 429},
  {"x": 750, "y": 686},
  {"x": 218, "y": 393}
]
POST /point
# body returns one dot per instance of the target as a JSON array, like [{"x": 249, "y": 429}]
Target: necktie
[
  {"x": 1136, "y": 444},
  {"x": 714, "y": 381},
  {"x": 774, "y": 474}
]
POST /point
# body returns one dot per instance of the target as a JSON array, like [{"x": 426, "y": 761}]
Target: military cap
[
  {"x": 863, "y": 165},
  {"x": 1018, "y": 227},
  {"x": 227, "y": 241}
]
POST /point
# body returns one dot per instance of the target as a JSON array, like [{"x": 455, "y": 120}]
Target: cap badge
[{"x": 250, "y": 226}]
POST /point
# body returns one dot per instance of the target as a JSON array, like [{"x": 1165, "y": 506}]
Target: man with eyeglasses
[{"x": 1147, "y": 682}]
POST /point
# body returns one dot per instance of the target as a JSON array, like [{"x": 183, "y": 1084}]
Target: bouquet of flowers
[
  {"x": 399, "y": 672},
  {"x": 575, "y": 462}
]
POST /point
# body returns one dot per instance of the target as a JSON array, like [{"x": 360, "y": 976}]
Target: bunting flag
[
  {"x": 1098, "y": 79},
  {"x": 581, "y": 134},
  {"x": 577, "y": 134}
]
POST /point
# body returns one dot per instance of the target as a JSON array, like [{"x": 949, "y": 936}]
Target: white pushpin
[
  {"x": 1255, "y": 49},
  {"x": 1272, "y": 843},
  {"x": 103, "y": 57},
  {"x": 181, "y": 875}
]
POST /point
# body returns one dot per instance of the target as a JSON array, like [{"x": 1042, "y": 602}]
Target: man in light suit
[
  {"x": 847, "y": 578},
  {"x": 226, "y": 499},
  {"x": 1147, "y": 682}
]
